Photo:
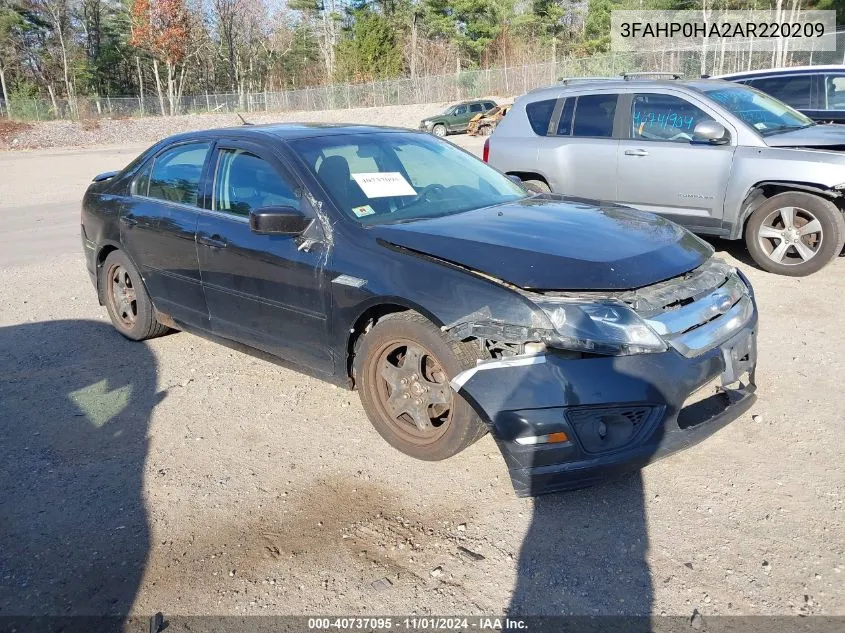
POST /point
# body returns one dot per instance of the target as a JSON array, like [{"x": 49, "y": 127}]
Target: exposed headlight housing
[{"x": 599, "y": 327}]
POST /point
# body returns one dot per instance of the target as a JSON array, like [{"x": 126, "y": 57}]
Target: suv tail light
[{"x": 486, "y": 153}]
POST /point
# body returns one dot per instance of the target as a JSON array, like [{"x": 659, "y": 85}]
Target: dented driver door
[{"x": 266, "y": 291}]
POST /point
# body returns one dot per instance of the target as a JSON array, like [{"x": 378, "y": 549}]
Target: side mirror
[
  {"x": 278, "y": 221},
  {"x": 711, "y": 132}
]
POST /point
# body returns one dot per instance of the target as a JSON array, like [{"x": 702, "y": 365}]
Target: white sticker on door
[{"x": 384, "y": 184}]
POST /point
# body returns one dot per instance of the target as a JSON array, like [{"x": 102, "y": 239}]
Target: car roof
[
  {"x": 616, "y": 83},
  {"x": 288, "y": 131},
  {"x": 789, "y": 70}
]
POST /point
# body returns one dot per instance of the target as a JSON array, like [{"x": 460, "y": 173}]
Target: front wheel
[
  {"x": 795, "y": 234},
  {"x": 439, "y": 130},
  {"x": 403, "y": 369}
]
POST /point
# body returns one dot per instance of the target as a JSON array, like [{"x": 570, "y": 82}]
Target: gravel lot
[
  {"x": 109, "y": 132},
  {"x": 183, "y": 477}
]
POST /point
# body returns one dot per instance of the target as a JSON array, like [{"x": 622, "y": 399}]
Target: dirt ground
[{"x": 181, "y": 476}]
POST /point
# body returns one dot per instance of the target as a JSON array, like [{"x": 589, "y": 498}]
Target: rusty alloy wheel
[
  {"x": 122, "y": 296},
  {"x": 412, "y": 392}
]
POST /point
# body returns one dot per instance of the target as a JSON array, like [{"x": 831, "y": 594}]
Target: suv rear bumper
[{"x": 642, "y": 403}]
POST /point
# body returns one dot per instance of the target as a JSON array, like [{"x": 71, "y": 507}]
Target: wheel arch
[
  {"x": 529, "y": 175},
  {"x": 104, "y": 250},
  {"x": 368, "y": 314},
  {"x": 758, "y": 193}
]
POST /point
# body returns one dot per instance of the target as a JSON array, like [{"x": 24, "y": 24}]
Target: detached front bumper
[{"x": 617, "y": 413}]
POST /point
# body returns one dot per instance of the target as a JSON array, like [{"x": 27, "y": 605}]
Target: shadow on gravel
[
  {"x": 75, "y": 404},
  {"x": 734, "y": 248},
  {"x": 584, "y": 554}
]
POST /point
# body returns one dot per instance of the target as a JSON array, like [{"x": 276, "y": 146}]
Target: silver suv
[{"x": 720, "y": 158}]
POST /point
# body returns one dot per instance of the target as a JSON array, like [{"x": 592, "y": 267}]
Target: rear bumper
[
  {"x": 89, "y": 249},
  {"x": 618, "y": 413}
]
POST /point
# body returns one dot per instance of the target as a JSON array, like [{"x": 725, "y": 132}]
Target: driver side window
[
  {"x": 460, "y": 110},
  {"x": 656, "y": 117},
  {"x": 244, "y": 182}
]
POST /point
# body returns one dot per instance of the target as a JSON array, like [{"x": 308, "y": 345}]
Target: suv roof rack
[
  {"x": 629, "y": 76},
  {"x": 570, "y": 80}
]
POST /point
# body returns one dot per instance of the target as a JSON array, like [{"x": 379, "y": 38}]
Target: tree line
[{"x": 163, "y": 49}]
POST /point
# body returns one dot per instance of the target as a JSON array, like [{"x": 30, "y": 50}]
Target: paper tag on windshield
[{"x": 384, "y": 184}]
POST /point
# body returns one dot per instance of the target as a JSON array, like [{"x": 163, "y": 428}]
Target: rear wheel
[
  {"x": 404, "y": 368},
  {"x": 795, "y": 234},
  {"x": 537, "y": 186},
  {"x": 439, "y": 130},
  {"x": 129, "y": 306}
]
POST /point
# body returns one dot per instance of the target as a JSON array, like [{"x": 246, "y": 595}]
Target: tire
[
  {"x": 537, "y": 186},
  {"x": 394, "y": 340},
  {"x": 779, "y": 240},
  {"x": 439, "y": 130},
  {"x": 129, "y": 306}
]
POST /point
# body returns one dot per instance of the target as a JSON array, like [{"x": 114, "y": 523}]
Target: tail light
[{"x": 486, "y": 153}]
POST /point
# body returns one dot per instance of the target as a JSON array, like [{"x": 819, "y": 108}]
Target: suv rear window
[
  {"x": 540, "y": 115},
  {"x": 594, "y": 116}
]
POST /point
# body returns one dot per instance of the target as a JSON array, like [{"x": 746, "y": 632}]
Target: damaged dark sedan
[{"x": 588, "y": 339}]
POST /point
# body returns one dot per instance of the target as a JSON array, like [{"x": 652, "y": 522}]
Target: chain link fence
[{"x": 505, "y": 82}]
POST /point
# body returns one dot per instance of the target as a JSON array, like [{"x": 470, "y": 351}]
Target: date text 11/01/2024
[{"x": 423, "y": 623}]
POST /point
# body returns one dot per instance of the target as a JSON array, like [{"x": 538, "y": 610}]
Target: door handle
[
  {"x": 129, "y": 220},
  {"x": 215, "y": 241},
  {"x": 636, "y": 152}
]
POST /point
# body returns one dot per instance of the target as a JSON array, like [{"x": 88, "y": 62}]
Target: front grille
[{"x": 698, "y": 311}]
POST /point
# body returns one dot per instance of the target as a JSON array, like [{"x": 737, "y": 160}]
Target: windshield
[
  {"x": 399, "y": 177},
  {"x": 764, "y": 113}
]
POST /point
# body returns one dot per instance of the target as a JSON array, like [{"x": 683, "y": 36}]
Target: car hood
[
  {"x": 554, "y": 243},
  {"x": 822, "y": 135}
]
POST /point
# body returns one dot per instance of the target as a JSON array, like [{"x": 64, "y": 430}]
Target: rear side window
[
  {"x": 176, "y": 173},
  {"x": 540, "y": 115},
  {"x": 594, "y": 116},
  {"x": 794, "y": 90},
  {"x": 656, "y": 117},
  {"x": 834, "y": 86},
  {"x": 489, "y": 105},
  {"x": 141, "y": 184}
]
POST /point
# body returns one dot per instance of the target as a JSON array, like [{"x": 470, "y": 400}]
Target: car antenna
[{"x": 243, "y": 120}]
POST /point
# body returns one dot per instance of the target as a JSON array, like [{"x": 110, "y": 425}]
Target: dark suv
[
  {"x": 455, "y": 118},
  {"x": 816, "y": 91}
]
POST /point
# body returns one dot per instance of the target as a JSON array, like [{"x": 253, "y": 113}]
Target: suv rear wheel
[
  {"x": 537, "y": 186},
  {"x": 795, "y": 234}
]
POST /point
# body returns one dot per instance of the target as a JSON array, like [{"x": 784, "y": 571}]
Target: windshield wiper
[{"x": 788, "y": 128}]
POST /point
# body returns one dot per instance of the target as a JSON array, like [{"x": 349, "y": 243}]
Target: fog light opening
[{"x": 552, "y": 438}]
